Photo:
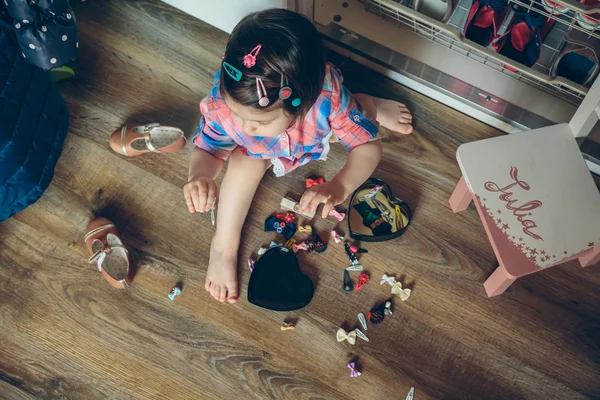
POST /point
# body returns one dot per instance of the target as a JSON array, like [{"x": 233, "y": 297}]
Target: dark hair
[{"x": 290, "y": 45}]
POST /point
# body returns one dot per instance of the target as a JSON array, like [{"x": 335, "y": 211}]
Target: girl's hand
[
  {"x": 200, "y": 193},
  {"x": 331, "y": 193}
]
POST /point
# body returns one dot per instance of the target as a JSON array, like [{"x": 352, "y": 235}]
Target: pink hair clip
[
  {"x": 250, "y": 58},
  {"x": 263, "y": 100}
]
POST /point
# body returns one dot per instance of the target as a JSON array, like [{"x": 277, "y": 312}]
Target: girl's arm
[
  {"x": 362, "y": 161},
  {"x": 201, "y": 190}
]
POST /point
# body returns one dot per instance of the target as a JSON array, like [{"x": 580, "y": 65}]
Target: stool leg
[
  {"x": 461, "y": 197},
  {"x": 590, "y": 259},
  {"x": 498, "y": 282}
]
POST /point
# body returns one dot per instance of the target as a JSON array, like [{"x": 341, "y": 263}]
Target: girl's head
[{"x": 291, "y": 48}]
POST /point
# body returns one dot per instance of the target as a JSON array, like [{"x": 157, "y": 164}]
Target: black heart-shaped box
[
  {"x": 277, "y": 283},
  {"x": 377, "y": 218}
]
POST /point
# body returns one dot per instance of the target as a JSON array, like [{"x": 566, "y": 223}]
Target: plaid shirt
[{"x": 335, "y": 112}]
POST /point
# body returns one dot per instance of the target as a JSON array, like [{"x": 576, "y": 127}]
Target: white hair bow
[
  {"x": 342, "y": 335},
  {"x": 397, "y": 288},
  {"x": 390, "y": 280}
]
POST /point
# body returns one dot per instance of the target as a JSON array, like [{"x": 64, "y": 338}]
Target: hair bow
[
  {"x": 288, "y": 218},
  {"x": 390, "y": 280},
  {"x": 403, "y": 293},
  {"x": 310, "y": 182},
  {"x": 305, "y": 229},
  {"x": 337, "y": 215},
  {"x": 299, "y": 246},
  {"x": 336, "y": 236},
  {"x": 353, "y": 371},
  {"x": 342, "y": 335}
]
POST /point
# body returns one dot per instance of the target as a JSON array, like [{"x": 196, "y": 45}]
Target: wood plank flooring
[{"x": 64, "y": 333}]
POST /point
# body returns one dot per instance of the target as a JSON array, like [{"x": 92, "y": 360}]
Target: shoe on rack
[
  {"x": 589, "y": 21},
  {"x": 484, "y": 20},
  {"x": 578, "y": 60},
  {"x": 108, "y": 253},
  {"x": 440, "y": 10},
  {"x": 554, "y": 8},
  {"x": 134, "y": 140},
  {"x": 522, "y": 41}
]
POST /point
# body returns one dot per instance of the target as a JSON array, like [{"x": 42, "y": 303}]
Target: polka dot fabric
[{"x": 45, "y": 29}]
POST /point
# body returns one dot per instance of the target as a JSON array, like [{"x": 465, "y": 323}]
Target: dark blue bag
[{"x": 34, "y": 121}]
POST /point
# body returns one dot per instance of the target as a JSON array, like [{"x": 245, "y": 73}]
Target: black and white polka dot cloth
[{"x": 46, "y": 30}]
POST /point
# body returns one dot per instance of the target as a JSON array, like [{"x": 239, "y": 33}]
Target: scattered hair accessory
[
  {"x": 314, "y": 180},
  {"x": 288, "y": 326},
  {"x": 348, "y": 286},
  {"x": 355, "y": 267},
  {"x": 354, "y": 372},
  {"x": 350, "y": 254},
  {"x": 263, "y": 99},
  {"x": 296, "y": 102},
  {"x": 174, "y": 292},
  {"x": 288, "y": 218},
  {"x": 337, "y": 215},
  {"x": 262, "y": 251},
  {"x": 397, "y": 288},
  {"x": 299, "y": 246},
  {"x": 357, "y": 250},
  {"x": 336, "y": 236},
  {"x": 363, "y": 321},
  {"x": 363, "y": 279},
  {"x": 251, "y": 263},
  {"x": 232, "y": 71},
  {"x": 250, "y": 58},
  {"x": 305, "y": 229},
  {"x": 361, "y": 335},
  {"x": 290, "y": 244},
  {"x": 378, "y": 312},
  {"x": 285, "y": 91},
  {"x": 342, "y": 335}
]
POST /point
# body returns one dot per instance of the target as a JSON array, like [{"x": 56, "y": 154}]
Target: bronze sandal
[
  {"x": 135, "y": 140},
  {"x": 103, "y": 242}
]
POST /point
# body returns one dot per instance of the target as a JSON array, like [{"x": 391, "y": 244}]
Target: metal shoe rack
[{"x": 451, "y": 36}]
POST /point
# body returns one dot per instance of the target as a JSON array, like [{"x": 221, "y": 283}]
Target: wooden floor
[{"x": 64, "y": 333}]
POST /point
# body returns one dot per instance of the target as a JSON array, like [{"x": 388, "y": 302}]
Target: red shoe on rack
[
  {"x": 589, "y": 21},
  {"x": 522, "y": 41},
  {"x": 484, "y": 20}
]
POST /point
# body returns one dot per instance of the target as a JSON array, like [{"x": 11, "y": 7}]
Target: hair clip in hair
[
  {"x": 263, "y": 100},
  {"x": 285, "y": 92},
  {"x": 296, "y": 102},
  {"x": 250, "y": 58},
  {"x": 232, "y": 71}
]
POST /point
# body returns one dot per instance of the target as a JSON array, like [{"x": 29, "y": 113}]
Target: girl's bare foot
[
  {"x": 393, "y": 115},
  {"x": 221, "y": 275}
]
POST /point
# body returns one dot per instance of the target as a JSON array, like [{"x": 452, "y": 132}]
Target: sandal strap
[
  {"x": 99, "y": 253},
  {"x": 123, "y": 140},
  {"x": 98, "y": 229},
  {"x": 149, "y": 144}
]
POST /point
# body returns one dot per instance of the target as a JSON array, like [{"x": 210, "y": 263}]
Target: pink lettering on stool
[{"x": 519, "y": 211}]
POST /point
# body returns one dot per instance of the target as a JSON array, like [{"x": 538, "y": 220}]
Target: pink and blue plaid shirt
[{"x": 335, "y": 112}]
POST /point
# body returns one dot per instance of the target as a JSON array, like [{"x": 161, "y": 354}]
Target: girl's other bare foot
[
  {"x": 221, "y": 275},
  {"x": 393, "y": 115}
]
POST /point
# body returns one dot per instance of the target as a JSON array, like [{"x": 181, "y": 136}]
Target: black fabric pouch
[{"x": 278, "y": 284}]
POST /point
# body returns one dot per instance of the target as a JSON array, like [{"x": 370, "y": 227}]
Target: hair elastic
[
  {"x": 232, "y": 71},
  {"x": 263, "y": 100},
  {"x": 250, "y": 58},
  {"x": 285, "y": 91}
]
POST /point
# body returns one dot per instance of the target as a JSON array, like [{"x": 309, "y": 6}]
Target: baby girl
[{"x": 277, "y": 102}]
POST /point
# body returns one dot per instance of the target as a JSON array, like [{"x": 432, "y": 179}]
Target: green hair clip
[{"x": 232, "y": 71}]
